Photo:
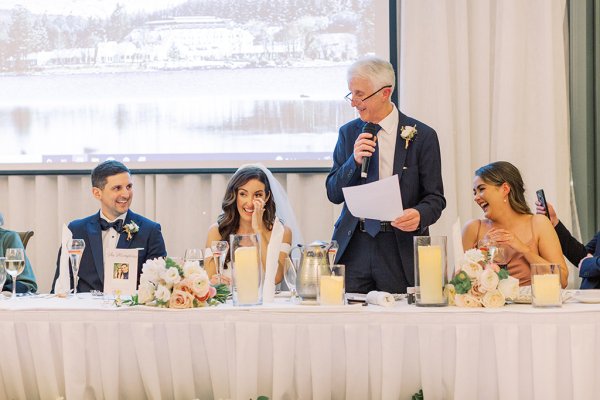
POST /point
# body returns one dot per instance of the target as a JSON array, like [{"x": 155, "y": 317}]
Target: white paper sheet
[
  {"x": 120, "y": 271},
  {"x": 377, "y": 200}
]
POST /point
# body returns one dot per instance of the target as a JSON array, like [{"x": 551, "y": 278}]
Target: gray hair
[{"x": 377, "y": 70}]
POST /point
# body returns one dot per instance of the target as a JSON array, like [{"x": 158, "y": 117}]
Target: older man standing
[{"x": 379, "y": 254}]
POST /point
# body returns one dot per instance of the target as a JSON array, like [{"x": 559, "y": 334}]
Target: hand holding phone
[{"x": 542, "y": 200}]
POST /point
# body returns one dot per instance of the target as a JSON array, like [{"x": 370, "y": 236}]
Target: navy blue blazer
[
  {"x": 419, "y": 171},
  {"x": 91, "y": 268},
  {"x": 575, "y": 252}
]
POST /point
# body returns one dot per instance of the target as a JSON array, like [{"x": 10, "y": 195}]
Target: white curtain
[
  {"x": 185, "y": 205},
  {"x": 491, "y": 77}
]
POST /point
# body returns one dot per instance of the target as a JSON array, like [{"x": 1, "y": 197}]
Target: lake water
[{"x": 271, "y": 110}]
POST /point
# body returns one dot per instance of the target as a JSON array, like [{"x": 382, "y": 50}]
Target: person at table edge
[
  {"x": 379, "y": 255},
  {"x": 112, "y": 186},
  {"x": 587, "y": 258}
]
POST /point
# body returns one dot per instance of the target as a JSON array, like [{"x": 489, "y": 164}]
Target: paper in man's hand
[{"x": 377, "y": 200}]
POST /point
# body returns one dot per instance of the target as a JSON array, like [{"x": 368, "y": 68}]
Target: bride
[{"x": 254, "y": 203}]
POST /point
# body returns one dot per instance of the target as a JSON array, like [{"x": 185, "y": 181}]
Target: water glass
[
  {"x": 2, "y": 273},
  {"x": 219, "y": 250},
  {"x": 545, "y": 285},
  {"x": 75, "y": 247},
  {"x": 430, "y": 270},
  {"x": 290, "y": 274},
  {"x": 331, "y": 286},
  {"x": 192, "y": 255},
  {"x": 15, "y": 264},
  {"x": 247, "y": 270}
]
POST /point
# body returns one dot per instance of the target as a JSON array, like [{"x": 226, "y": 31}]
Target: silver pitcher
[{"x": 313, "y": 257}]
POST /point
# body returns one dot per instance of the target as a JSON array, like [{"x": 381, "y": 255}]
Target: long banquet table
[{"x": 87, "y": 348}]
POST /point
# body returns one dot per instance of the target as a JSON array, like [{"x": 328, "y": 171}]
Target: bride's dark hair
[{"x": 229, "y": 220}]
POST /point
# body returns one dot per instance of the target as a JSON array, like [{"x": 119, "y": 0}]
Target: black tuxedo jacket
[{"x": 91, "y": 268}]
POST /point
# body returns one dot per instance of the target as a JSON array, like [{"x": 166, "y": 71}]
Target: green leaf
[{"x": 503, "y": 274}]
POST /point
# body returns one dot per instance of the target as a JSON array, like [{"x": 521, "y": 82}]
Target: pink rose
[
  {"x": 212, "y": 292},
  {"x": 181, "y": 299},
  {"x": 476, "y": 290}
]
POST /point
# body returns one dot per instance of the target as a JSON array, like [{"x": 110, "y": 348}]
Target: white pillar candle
[
  {"x": 246, "y": 275},
  {"x": 331, "y": 290},
  {"x": 546, "y": 290},
  {"x": 430, "y": 274}
]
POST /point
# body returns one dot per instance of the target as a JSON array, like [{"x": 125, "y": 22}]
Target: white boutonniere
[
  {"x": 408, "y": 133},
  {"x": 130, "y": 229}
]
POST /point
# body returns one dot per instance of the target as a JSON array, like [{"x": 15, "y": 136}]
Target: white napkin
[
  {"x": 272, "y": 262},
  {"x": 63, "y": 283},
  {"x": 384, "y": 299}
]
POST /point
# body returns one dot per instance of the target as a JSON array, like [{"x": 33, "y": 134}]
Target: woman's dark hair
[
  {"x": 500, "y": 172},
  {"x": 229, "y": 220}
]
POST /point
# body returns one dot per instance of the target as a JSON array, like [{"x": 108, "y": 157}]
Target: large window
[{"x": 162, "y": 81}]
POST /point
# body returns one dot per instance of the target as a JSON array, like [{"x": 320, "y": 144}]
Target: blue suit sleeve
[
  {"x": 26, "y": 280},
  {"x": 344, "y": 171},
  {"x": 590, "y": 268},
  {"x": 432, "y": 201}
]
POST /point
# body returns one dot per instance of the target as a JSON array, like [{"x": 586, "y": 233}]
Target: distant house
[
  {"x": 333, "y": 46},
  {"x": 192, "y": 38}
]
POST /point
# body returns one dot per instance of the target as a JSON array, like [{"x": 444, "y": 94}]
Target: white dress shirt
[
  {"x": 110, "y": 237},
  {"x": 386, "y": 140}
]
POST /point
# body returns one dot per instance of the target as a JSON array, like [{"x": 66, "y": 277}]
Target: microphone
[{"x": 372, "y": 129}]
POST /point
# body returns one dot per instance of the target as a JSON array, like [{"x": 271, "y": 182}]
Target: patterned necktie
[
  {"x": 372, "y": 226},
  {"x": 117, "y": 225}
]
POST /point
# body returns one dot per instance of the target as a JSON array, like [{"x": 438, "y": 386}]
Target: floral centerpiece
[
  {"x": 165, "y": 283},
  {"x": 480, "y": 282}
]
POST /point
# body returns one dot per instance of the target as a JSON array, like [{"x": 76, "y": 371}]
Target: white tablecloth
[{"x": 86, "y": 349}]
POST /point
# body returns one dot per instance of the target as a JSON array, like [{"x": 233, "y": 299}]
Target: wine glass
[
  {"x": 289, "y": 276},
  {"x": 501, "y": 258},
  {"x": 14, "y": 264},
  {"x": 75, "y": 247},
  {"x": 192, "y": 255},
  {"x": 2, "y": 274},
  {"x": 489, "y": 247},
  {"x": 219, "y": 249},
  {"x": 332, "y": 252}
]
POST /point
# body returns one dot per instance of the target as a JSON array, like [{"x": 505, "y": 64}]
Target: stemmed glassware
[
  {"x": 332, "y": 252},
  {"x": 14, "y": 264},
  {"x": 219, "y": 249},
  {"x": 2, "y": 273},
  {"x": 290, "y": 275},
  {"x": 194, "y": 255},
  {"x": 75, "y": 247}
]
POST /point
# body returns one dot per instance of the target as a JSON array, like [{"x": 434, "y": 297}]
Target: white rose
[
  {"x": 145, "y": 293},
  {"x": 152, "y": 269},
  {"x": 450, "y": 292},
  {"x": 472, "y": 269},
  {"x": 162, "y": 293},
  {"x": 509, "y": 287},
  {"x": 474, "y": 255},
  {"x": 488, "y": 280},
  {"x": 408, "y": 132},
  {"x": 466, "y": 300},
  {"x": 191, "y": 267},
  {"x": 493, "y": 299},
  {"x": 171, "y": 276}
]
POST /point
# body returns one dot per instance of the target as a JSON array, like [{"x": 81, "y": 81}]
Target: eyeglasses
[{"x": 350, "y": 99}]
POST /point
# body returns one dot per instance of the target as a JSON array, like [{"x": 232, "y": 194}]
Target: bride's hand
[{"x": 257, "y": 216}]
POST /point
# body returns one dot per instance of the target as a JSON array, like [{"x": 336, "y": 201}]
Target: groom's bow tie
[{"x": 117, "y": 225}]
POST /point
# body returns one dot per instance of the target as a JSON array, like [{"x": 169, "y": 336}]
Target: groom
[{"x": 114, "y": 226}]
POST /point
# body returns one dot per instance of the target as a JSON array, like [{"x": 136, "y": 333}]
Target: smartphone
[{"x": 542, "y": 199}]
